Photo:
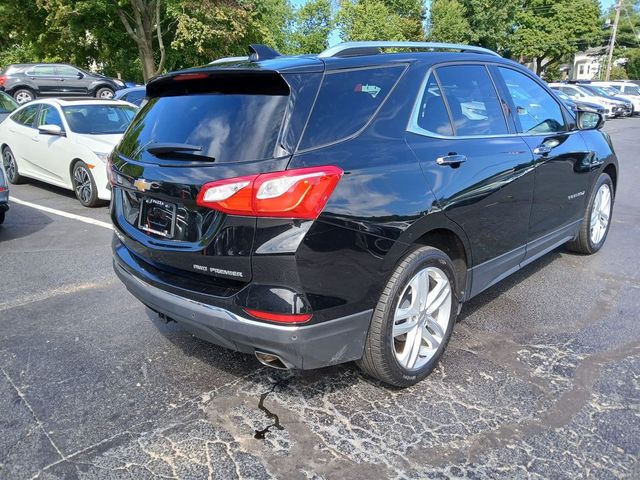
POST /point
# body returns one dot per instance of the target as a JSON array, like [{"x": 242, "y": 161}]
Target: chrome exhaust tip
[{"x": 271, "y": 360}]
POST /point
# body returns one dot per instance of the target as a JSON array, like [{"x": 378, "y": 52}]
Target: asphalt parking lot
[{"x": 541, "y": 378}]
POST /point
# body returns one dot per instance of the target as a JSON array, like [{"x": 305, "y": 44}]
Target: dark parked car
[
  {"x": 316, "y": 210},
  {"x": 4, "y": 195},
  {"x": 7, "y": 105},
  {"x": 25, "y": 82},
  {"x": 133, "y": 95}
]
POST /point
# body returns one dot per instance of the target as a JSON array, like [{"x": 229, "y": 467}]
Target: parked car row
[
  {"x": 613, "y": 99},
  {"x": 65, "y": 142}
]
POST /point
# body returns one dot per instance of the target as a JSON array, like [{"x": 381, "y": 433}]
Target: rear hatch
[{"x": 200, "y": 126}]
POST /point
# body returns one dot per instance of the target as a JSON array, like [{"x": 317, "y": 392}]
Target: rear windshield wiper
[{"x": 163, "y": 148}]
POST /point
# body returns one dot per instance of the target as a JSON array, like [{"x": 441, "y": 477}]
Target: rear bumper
[{"x": 304, "y": 347}]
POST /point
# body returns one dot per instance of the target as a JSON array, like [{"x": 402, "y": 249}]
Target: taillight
[
  {"x": 111, "y": 175},
  {"x": 300, "y": 193},
  {"x": 280, "y": 317},
  {"x": 3, "y": 79}
]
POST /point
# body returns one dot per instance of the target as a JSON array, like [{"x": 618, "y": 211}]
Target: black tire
[
  {"x": 380, "y": 359},
  {"x": 584, "y": 243},
  {"x": 2, "y": 217},
  {"x": 84, "y": 186},
  {"x": 104, "y": 93},
  {"x": 11, "y": 167},
  {"x": 24, "y": 95}
]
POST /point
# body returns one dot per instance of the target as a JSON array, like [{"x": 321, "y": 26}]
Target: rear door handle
[{"x": 453, "y": 159}]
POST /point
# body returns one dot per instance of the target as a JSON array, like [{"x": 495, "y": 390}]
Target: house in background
[{"x": 590, "y": 64}]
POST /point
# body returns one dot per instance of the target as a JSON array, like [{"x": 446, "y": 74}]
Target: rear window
[
  {"x": 346, "y": 102},
  {"x": 7, "y": 104},
  {"x": 228, "y": 128}
]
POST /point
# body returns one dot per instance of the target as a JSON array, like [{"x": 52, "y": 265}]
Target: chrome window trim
[{"x": 413, "y": 127}]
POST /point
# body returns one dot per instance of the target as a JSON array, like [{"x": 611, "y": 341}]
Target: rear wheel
[
  {"x": 24, "y": 95},
  {"x": 104, "y": 93},
  {"x": 413, "y": 320},
  {"x": 2, "y": 217},
  {"x": 11, "y": 167},
  {"x": 597, "y": 218},
  {"x": 84, "y": 186}
]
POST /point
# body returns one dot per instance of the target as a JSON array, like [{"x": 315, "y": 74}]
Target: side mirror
[
  {"x": 79, "y": 75},
  {"x": 589, "y": 120},
  {"x": 51, "y": 130}
]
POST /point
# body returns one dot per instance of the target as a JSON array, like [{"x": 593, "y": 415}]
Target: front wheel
[
  {"x": 413, "y": 320},
  {"x": 597, "y": 218},
  {"x": 104, "y": 93},
  {"x": 84, "y": 186}
]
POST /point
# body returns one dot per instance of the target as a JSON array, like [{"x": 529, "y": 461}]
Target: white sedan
[{"x": 65, "y": 142}]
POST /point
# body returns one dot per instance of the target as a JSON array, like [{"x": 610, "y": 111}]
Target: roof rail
[{"x": 348, "y": 49}]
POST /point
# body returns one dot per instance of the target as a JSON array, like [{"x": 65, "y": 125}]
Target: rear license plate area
[{"x": 157, "y": 217}]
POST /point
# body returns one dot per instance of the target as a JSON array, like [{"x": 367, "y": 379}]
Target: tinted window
[
  {"x": 66, "y": 71},
  {"x": 98, "y": 119},
  {"x": 42, "y": 71},
  {"x": 472, "y": 99},
  {"x": 229, "y": 128},
  {"x": 49, "y": 116},
  {"x": 134, "y": 97},
  {"x": 7, "y": 104},
  {"x": 432, "y": 113},
  {"x": 536, "y": 110},
  {"x": 27, "y": 115},
  {"x": 346, "y": 102},
  {"x": 631, "y": 90}
]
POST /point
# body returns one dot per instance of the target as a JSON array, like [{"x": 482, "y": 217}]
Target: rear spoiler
[{"x": 218, "y": 80}]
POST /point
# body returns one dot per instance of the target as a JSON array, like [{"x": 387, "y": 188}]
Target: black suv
[
  {"x": 28, "y": 81},
  {"x": 315, "y": 210}
]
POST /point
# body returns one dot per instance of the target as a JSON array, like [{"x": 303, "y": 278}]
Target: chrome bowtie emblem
[{"x": 143, "y": 185}]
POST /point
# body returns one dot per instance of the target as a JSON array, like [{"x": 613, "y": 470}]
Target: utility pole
[{"x": 612, "y": 41}]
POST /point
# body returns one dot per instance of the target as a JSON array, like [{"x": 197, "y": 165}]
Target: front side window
[
  {"x": 98, "y": 119},
  {"x": 67, "y": 71},
  {"x": 631, "y": 90},
  {"x": 26, "y": 116},
  {"x": 472, "y": 100},
  {"x": 49, "y": 115},
  {"x": 536, "y": 110},
  {"x": 346, "y": 102}
]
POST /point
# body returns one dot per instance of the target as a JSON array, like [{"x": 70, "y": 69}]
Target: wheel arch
[
  {"x": 436, "y": 230},
  {"x": 72, "y": 165},
  {"x": 612, "y": 171}
]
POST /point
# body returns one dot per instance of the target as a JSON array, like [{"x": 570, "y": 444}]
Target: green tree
[
  {"x": 380, "y": 20},
  {"x": 313, "y": 25},
  {"x": 549, "y": 31},
  {"x": 493, "y": 22},
  {"x": 448, "y": 22}
]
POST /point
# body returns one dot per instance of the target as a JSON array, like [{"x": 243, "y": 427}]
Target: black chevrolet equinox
[{"x": 320, "y": 209}]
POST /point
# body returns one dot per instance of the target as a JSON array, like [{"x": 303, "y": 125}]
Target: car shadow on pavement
[
  {"x": 51, "y": 188},
  {"x": 22, "y": 222}
]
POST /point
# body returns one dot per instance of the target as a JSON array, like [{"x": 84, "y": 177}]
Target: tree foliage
[
  {"x": 381, "y": 20},
  {"x": 448, "y": 22},
  {"x": 313, "y": 25}
]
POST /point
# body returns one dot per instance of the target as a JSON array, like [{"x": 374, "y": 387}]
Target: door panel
[
  {"x": 46, "y": 79},
  {"x": 480, "y": 172},
  {"x": 71, "y": 84},
  {"x": 51, "y": 151},
  {"x": 562, "y": 160}
]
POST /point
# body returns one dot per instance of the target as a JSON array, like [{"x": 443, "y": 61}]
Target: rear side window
[
  {"x": 472, "y": 99},
  {"x": 346, "y": 102},
  {"x": 42, "y": 71},
  {"x": 536, "y": 110},
  {"x": 227, "y": 127},
  {"x": 26, "y": 116},
  {"x": 432, "y": 114}
]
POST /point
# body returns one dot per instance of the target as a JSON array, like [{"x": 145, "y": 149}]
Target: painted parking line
[{"x": 62, "y": 213}]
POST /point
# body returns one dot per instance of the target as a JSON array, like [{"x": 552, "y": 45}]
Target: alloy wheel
[
  {"x": 422, "y": 317},
  {"x": 600, "y": 214},
  {"x": 23, "y": 97},
  {"x": 83, "y": 186},
  {"x": 9, "y": 165},
  {"x": 106, "y": 94}
]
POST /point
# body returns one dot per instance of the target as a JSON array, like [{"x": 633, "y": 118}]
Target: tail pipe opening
[{"x": 271, "y": 360}]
